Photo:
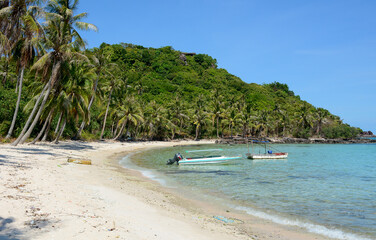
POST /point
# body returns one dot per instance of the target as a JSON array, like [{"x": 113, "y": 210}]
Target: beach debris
[
  {"x": 39, "y": 219},
  {"x": 228, "y": 220},
  {"x": 79, "y": 161},
  {"x": 223, "y": 219},
  {"x": 113, "y": 228}
]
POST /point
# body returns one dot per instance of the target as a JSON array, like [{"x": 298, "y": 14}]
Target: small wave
[
  {"x": 154, "y": 177},
  {"x": 127, "y": 163},
  {"x": 313, "y": 228}
]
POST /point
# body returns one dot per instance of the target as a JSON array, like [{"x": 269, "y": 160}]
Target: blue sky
[{"x": 325, "y": 50}]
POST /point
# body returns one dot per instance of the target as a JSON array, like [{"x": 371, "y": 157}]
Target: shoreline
[
  {"x": 44, "y": 197},
  {"x": 290, "y": 140}
]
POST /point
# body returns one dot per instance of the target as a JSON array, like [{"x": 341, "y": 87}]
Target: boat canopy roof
[
  {"x": 260, "y": 141},
  {"x": 204, "y": 150}
]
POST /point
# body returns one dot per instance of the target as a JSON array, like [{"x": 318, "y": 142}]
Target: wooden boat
[
  {"x": 209, "y": 159},
  {"x": 267, "y": 154}
]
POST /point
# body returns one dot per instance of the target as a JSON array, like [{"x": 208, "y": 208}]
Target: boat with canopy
[
  {"x": 202, "y": 157},
  {"x": 269, "y": 152}
]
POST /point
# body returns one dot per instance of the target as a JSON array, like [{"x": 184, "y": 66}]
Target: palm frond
[
  {"x": 86, "y": 26},
  {"x": 41, "y": 63},
  {"x": 79, "y": 16}
]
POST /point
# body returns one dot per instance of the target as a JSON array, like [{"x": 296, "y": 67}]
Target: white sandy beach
[{"x": 44, "y": 197}]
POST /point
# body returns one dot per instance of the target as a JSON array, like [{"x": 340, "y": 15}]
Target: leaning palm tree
[
  {"x": 62, "y": 39},
  {"x": 75, "y": 90},
  {"x": 25, "y": 49}
]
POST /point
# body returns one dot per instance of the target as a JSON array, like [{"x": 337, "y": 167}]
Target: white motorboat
[{"x": 206, "y": 159}]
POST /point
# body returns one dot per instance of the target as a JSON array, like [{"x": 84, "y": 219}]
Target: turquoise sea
[{"x": 324, "y": 188}]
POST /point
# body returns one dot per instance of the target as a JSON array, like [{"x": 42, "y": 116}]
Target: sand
[{"x": 42, "y": 196}]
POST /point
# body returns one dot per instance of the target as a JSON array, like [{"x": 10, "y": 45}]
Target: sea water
[{"x": 326, "y": 189}]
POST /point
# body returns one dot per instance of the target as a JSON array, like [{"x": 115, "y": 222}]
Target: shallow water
[{"x": 327, "y": 189}]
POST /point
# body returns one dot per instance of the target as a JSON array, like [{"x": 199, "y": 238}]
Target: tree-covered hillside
[{"x": 51, "y": 87}]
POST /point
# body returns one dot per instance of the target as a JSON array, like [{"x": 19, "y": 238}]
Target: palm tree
[
  {"x": 178, "y": 115},
  {"x": 304, "y": 115},
  {"x": 109, "y": 86},
  {"x": 130, "y": 112},
  {"x": 62, "y": 39},
  {"x": 245, "y": 115},
  {"x": 24, "y": 51},
  {"x": 101, "y": 61},
  {"x": 75, "y": 89},
  {"x": 199, "y": 116},
  {"x": 321, "y": 114},
  {"x": 217, "y": 109},
  {"x": 156, "y": 121}
]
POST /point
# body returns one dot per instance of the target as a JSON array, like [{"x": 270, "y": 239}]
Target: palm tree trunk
[
  {"x": 17, "y": 104},
  {"x": 116, "y": 129},
  {"x": 47, "y": 130},
  {"x": 6, "y": 71},
  {"x": 112, "y": 129},
  {"x": 197, "y": 128},
  {"x": 58, "y": 123},
  {"x": 17, "y": 84},
  {"x": 88, "y": 108},
  {"x": 61, "y": 131},
  {"x": 43, "y": 128},
  {"x": 31, "y": 128},
  {"x": 52, "y": 81},
  {"x": 105, "y": 116},
  {"x": 217, "y": 127},
  {"x": 173, "y": 133},
  {"x": 121, "y": 130},
  {"x": 30, "y": 117}
]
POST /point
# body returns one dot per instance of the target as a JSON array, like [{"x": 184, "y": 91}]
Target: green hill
[{"x": 161, "y": 93}]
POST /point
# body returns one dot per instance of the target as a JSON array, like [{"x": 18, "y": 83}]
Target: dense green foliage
[{"x": 123, "y": 90}]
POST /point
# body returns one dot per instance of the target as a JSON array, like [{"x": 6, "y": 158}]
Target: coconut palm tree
[
  {"x": 100, "y": 59},
  {"x": 108, "y": 89},
  {"x": 25, "y": 49},
  {"x": 156, "y": 121},
  {"x": 75, "y": 89},
  {"x": 178, "y": 116},
  {"x": 130, "y": 112},
  {"x": 199, "y": 116},
  {"x": 320, "y": 116},
  {"x": 304, "y": 115},
  {"x": 245, "y": 114},
  {"x": 217, "y": 110},
  {"x": 62, "y": 39}
]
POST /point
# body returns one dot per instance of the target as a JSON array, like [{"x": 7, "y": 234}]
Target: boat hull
[
  {"x": 268, "y": 156},
  {"x": 211, "y": 160}
]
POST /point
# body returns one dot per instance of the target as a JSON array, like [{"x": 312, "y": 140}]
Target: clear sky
[{"x": 325, "y": 50}]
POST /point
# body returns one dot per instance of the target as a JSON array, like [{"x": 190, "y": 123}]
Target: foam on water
[
  {"x": 127, "y": 163},
  {"x": 313, "y": 228}
]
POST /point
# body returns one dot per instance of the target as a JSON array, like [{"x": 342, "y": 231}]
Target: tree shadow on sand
[
  {"x": 73, "y": 145},
  {"x": 7, "y": 233},
  {"x": 11, "y": 161}
]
